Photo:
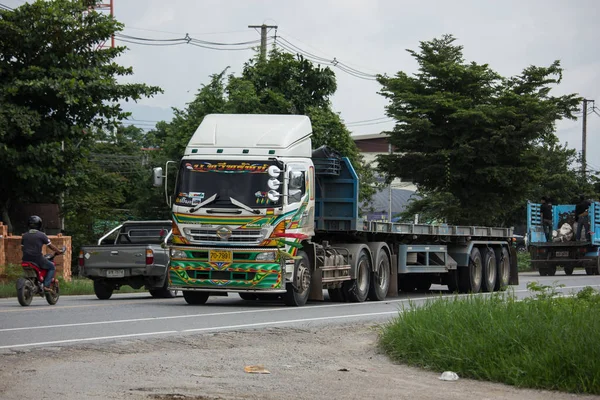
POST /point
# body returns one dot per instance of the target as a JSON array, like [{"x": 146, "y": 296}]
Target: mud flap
[
  {"x": 393, "y": 288},
  {"x": 514, "y": 266},
  {"x": 316, "y": 275}
]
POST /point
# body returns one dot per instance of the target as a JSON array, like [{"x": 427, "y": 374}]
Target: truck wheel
[
  {"x": 489, "y": 271},
  {"x": 356, "y": 290},
  {"x": 503, "y": 268},
  {"x": 248, "y": 296},
  {"x": 195, "y": 298},
  {"x": 336, "y": 294},
  {"x": 543, "y": 271},
  {"x": 551, "y": 270},
  {"x": 268, "y": 296},
  {"x": 298, "y": 296},
  {"x": 469, "y": 278},
  {"x": 569, "y": 270},
  {"x": 380, "y": 278},
  {"x": 102, "y": 289}
]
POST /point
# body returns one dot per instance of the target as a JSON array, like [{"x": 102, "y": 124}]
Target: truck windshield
[{"x": 244, "y": 181}]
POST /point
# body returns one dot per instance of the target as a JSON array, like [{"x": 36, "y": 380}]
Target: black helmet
[{"x": 34, "y": 222}]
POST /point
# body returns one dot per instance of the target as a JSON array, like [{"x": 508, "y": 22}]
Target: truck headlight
[
  {"x": 266, "y": 256},
  {"x": 178, "y": 254}
]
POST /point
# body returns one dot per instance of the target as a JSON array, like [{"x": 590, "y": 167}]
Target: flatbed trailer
[{"x": 263, "y": 215}]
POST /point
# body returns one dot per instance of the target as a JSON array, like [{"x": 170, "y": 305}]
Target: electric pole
[
  {"x": 584, "y": 137},
  {"x": 263, "y": 38}
]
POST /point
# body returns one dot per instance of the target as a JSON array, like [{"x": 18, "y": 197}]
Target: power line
[
  {"x": 179, "y": 33},
  {"x": 5, "y": 7}
]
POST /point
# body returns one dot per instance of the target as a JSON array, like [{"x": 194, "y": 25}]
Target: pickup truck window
[{"x": 142, "y": 235}]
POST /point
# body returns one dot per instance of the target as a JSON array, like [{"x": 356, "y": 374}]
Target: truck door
[
  {"x": 535, "y": 230},
  {"x": 594, "y": 212}
]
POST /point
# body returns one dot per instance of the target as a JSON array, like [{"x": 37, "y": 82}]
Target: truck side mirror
[{"x": 157, "y": 177}]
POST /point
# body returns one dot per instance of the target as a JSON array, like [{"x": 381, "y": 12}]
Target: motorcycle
[{"x": 32, "y": 282}]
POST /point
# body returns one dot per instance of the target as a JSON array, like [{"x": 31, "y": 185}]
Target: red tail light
[
  {"x": 80, "y": 259},
  {"x": 149, "y": 257}
]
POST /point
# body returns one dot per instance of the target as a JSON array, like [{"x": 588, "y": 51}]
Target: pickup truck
[{"x": 132, "y": 254}]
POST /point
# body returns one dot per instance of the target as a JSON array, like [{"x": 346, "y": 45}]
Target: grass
[
  {"x": 77, "y": 286},
  {"x": 544, "y": 342}
]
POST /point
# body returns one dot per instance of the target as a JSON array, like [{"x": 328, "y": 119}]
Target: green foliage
[
  {"x": 536, "y": 343},
  {"x": 54, "y": 85},
  {"x": 283, "y": 84},
  {"x": 476, "y": 144},
  {"x": 524, "y": 262}
]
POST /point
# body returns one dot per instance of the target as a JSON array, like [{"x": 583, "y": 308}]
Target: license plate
[
  {"x": 220, "y": 256},
  {"x": 562, "y": 254},
  {"x": 115, "y": 273}
]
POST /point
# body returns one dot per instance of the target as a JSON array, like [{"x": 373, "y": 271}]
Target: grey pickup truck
[{"x": 132, "y": 254}]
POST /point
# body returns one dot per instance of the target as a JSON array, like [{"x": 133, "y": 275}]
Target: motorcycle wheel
[
  {"x": 25, "y": 291},
  {"x": 52, "y": 297}
]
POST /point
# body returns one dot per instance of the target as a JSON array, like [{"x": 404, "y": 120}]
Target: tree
[
  {"x": 54, "y": 85},
  {"x": 470, "y": 139}
]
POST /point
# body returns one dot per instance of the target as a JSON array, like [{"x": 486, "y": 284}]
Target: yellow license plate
[{"x": 220, "y": 256}]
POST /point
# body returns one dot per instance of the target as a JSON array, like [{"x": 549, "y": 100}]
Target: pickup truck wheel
[
  {"x": 503, "y": 267},
  {"x": 356, "y": 290},
  {"x": 551, "y": 270},
  {"x": 298, "y": 296},
  {"x": 195, "y": 298},
  {"x": 380, "y": 278},
  {"x": 470, "y": 277},
  {"x": 103, "y": 290},
  {"x": 490, "y": 272},
  {"x": 569, "y": 270}
]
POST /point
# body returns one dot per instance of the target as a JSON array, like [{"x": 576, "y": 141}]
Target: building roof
[{"x": 380, "y": 201}]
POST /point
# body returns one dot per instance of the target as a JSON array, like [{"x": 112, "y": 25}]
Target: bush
[{"x": 544, "y": 342}]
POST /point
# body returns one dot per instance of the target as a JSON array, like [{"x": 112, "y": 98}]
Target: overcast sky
[{"x": 372, "y": 37}]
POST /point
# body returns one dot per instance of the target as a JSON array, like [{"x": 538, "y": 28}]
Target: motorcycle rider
[{"x": 31, "y": 244}]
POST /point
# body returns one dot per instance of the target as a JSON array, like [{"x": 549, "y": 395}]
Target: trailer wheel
[
  {"x": 248, "y": 296},
  {"x": 356, "y": 290},
  {"x": 503, "y": 267},
  {"x": 469, "y": 278},
  {"x": 569, "y": 270},
  {"x": 489, "y": 271},
  {"x": 195, "y": 298},
  {"x": 298, "y": 296},
  {"x": 380, "y": 278}
]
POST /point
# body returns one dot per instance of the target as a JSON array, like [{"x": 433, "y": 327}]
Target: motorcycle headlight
[
  {"x": 266, "y": 256},
  {"x": 178, "y": 254}
]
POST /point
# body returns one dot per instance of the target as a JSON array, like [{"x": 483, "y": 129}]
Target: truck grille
[{"x": 249, "y": 236}]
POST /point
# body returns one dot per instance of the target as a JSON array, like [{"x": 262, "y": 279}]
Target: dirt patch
[{"x": 317, "y": 363}]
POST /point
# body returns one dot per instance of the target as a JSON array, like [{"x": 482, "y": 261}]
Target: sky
[{"x": 371, "y": 36}]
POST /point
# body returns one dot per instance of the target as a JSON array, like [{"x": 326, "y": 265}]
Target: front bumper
[{"x": 244, "y": 273}]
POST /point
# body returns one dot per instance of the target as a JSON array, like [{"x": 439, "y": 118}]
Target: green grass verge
[
  {"x": 543, "y": 342},
  {"x": 77, "y": 286}
]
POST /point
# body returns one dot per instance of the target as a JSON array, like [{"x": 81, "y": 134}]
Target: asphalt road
[{"x": 81, "y": 319}]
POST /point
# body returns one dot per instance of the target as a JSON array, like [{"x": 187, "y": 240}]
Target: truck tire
[
  {"x": 357, "y": 290},
  {"x": 489, "y": 270},
  {"x": 569, "y": 270},
  {"x": 503, "y": 268},
  {"x": 195, "y": 298},
  {"x": 380, "y": 278},
  {"x": 268, "y": 296},
  {"x": 298, "y": 296},
  {"x": 551, "y": 270},
  {"x": 469, "y": 278},
  {"x": 102, "y": 289},
  {"x": 543, "y": 271}
]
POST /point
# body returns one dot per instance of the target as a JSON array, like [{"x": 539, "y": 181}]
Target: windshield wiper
[
  {"x": 242, "y": 205},
  {"x": 205, "y": 202}
]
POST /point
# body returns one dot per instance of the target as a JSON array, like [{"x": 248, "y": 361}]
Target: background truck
[
  {"x": 131, "y": 254},
  {"x": 565, "y": 252},
  {"x": 256, "y": 211}
]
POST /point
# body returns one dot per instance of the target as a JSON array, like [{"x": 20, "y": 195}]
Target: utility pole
[
  {"x": 263, "y": 38},
  {"x": 390, "y": 190},
  {"x": 584, "y": 137}
]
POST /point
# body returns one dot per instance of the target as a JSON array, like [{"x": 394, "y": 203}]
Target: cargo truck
[
  {"x": 256, "y": 211},
  {"x": 563, "y": 251}
]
